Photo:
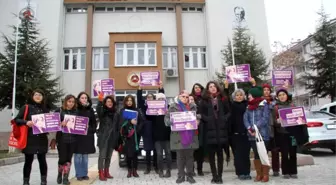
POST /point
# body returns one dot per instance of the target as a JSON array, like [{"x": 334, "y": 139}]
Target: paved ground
[{"x": 323, "y": 172}]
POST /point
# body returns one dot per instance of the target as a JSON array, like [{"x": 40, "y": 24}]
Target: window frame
[
  {"x": 189, "y": 50},
  {"x": 83, "y": 10},
  {"x": 78, "y": 58},
  {"x": 135, "y": 50},
  {"x": 101, "y": 61},
  {"x": 171, "y": 52}
]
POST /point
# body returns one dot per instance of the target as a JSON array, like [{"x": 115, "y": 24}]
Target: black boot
[
  {"x": 59, "y": 174},
  {"x": 43, "y": 180},
  {"x": 25, "y": 181},
  {"x": 66, "y": 179},
  {"x": 168, "y": 174},
  {"x": 148, "y": 169}
]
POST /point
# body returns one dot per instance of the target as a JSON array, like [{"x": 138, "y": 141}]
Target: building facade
[
  {"x": 301, "y": 94},
  {"x": 97, "y": 39}
]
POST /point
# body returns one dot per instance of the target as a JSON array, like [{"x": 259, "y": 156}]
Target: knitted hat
[
  {"x": 267, "y": 86},
  {"x": 281, "y": 90},
  {"x": 256, "y": 92},
  {"x": 160, "y": 96}
]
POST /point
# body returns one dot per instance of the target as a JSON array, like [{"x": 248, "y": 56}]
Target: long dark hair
[
  {"x": 79, "y": 104},
  {"x": 66, "y": 99},
  {"x": 206, "y": 93},
  {"x": 126, "y": 99},
  {"x": 193, "y": 93},
  {"x": 44, "y": 98},
  {"x": 114, "y": 107}
]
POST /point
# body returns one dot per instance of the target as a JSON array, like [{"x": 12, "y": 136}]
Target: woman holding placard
[
  {"x": 184, "y": 142},
  {"x": 257, "y": 115},
  {"x": 36, "y": 144},
  {"x": 288, "y": 137},
  {"x": 65, "y": 141},
  {"x": 215, "y": 112},
  {"x": 130, "y": 122},
  {"x": 199, "y": 154},
  {"x": 106, "y": 110},
  {"x": 85, "y": 144},
  {"x": 147, "y": 133}
]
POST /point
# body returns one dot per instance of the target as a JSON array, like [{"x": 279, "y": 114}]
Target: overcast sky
[{"x": 294, "y": 19}]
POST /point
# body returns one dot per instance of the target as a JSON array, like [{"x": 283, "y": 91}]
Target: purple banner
[
  {"x": 238, "y": 73},
  {"x": 292, "y": 116},
  {"x": 105, "y": 86},
  {"x": 45, "y": 123},
  {"x": 281, "y": 77},
  {"x": 182, "y": 121},
  {"x": 150, "y": 78},
  {"x": 75, "y": 124},
  {"x": 156, "y": 107}
]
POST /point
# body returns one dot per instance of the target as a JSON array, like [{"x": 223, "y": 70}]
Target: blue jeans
[{"x": 81, "y": 164}]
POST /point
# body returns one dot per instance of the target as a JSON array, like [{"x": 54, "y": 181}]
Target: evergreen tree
[
  {"x": 33, "y": 67},
  {"x": 246, "y": 51},
  {"x": 320, "y": 78}
]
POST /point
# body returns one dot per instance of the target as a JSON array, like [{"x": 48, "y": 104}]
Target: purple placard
[
  {"x": 45, "y": 123},
  {"x": 75, "y": 124},
  {"x": 292, "y": 116},
  {"x": 182, "y": 121},
  {"x": 156, "y": 107},
  {"x": 105, "y": 86},
  {"x": 150, "y": 78},
  {"x": 280, "y": 77},
  {"x": 238, "y": 73}
]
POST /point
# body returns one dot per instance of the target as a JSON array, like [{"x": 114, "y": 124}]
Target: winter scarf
[
  {"x": 254, "y": 104},
  {"x": 187, "y": 135}
]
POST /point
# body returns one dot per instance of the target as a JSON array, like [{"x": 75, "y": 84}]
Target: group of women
[{"x": 223, "y": 121}]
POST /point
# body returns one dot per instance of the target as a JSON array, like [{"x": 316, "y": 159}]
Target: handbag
[
  {"x": 18, "y": 136},
  {"x": 261, "y": 147}
]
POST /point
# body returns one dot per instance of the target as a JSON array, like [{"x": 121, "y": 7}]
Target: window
[
  {"x": 192, "y": 9},
  {"x": 76, "y": 10},
  {"x": 119, "y": 8},
  {"x": 169, "y": 57},
  {"x": 135, "y": 54},
  {"x": 74, "y": 59},
  {"x": 332, "y": 109},
  {"x": 100, "y": 58},
  {"x": 194, "y": 58}
]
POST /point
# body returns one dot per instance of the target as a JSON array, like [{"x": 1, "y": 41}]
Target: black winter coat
[
  {"x": 201, "y": 134},
  {"x": 35, "y": 143},
  {"x": 65, "y": 137},
  {"x": 129, "y": 143},
  {"x": 85, "y": 144},
  {"x": 216, "y": 127},
  {"x": 105, "y": 133},
  {"x": 237, "y": 118},
  {"x": 154, "y": 128}
]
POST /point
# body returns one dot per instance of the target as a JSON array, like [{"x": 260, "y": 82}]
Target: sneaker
[
  {"x": 161, "y": 174},
  {"x": 168, "y": 174},
  {"x": 147, "y": 171},
  {"x": 294, "y": 176},
  {"x": 241, "y": 177},
  {"x": 276, "y": 174},
  {"x": 219, "y": 180},
  {"x": 286, "y": 176},
  {"x": 200, "y": 173},
  {"x": 214, "y": 180},
  {"x": 80, "y": 178},
  {"x": 86, "y": 178},
  {"x": 248, "y": 177},
  {"x": 179, "y": 180},
  {"x": 191, "y": 180}
]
